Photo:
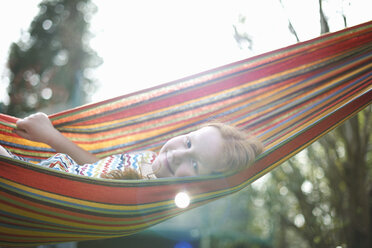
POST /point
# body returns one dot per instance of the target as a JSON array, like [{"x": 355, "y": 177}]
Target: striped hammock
[{"x": 288, "y": 98}]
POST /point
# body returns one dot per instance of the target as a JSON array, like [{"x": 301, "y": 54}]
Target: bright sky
[
  {"x": 160, "y": 41},
  {"x": 144, "y": 43}
]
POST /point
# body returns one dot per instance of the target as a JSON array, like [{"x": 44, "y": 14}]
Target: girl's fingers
[
  {"x": 22, "y": 133},
  {"x": 20, "y": 124}
]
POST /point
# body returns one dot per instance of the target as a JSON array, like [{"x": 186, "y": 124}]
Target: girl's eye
[
  {"x": 195, "y": 166},
  {"x": 188, "y": 143}
]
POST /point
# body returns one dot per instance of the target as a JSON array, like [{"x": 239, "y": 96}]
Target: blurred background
[{"x": 58, "y": 54}]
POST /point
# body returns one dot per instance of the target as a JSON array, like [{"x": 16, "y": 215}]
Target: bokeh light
[{"x": 182, "y": 200}]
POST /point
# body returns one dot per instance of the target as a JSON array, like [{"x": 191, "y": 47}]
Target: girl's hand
[{"x": 36, "y": 127}]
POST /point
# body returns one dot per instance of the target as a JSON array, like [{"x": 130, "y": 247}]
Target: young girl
[{"x": 213, "y": 148}]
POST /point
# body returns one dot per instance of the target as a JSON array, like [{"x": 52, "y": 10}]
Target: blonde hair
[
  {"x": 240, "y": 149},
  {"x": 128, "y": 173}
]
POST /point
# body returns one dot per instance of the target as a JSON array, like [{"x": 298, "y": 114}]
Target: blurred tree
[
  {"x": 290, "y": 25},
  {"x": 242, "y": 39},
  {"x": 324, "y": 27},
  {"x": 323, "y": 196},
  {"x": 50, "y": 64}
]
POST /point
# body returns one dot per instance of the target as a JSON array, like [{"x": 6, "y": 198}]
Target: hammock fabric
[{"x": 288, "y": 98}]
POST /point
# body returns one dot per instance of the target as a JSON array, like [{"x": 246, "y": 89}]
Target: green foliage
[
  {"x": 49, "y": 64},
  {"x": 322, "y": 196}
]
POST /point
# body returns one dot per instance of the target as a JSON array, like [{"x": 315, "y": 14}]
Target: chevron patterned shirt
[{"x": 139, "y": 161}]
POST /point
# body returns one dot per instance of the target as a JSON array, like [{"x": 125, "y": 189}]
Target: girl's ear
[{"x": 257, "y": 148}]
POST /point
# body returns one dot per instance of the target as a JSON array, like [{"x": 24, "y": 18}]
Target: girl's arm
[{"x": 38, "y": 127}]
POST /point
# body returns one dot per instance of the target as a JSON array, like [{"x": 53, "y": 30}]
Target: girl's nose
[{"x": 176, "y": 157}]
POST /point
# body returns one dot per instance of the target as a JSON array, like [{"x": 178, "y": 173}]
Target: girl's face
[{"x": 196, "y": 153}]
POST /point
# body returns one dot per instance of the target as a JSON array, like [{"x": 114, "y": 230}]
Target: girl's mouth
[{"x": 167, "y": 163}]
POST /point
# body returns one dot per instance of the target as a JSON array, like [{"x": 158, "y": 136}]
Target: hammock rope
[{"x": 288, "y": 98}]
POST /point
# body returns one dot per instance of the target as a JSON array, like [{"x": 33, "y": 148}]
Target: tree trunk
[
  {"x": 324, "y": 28},
  {"x": 356, "y": 174}
]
